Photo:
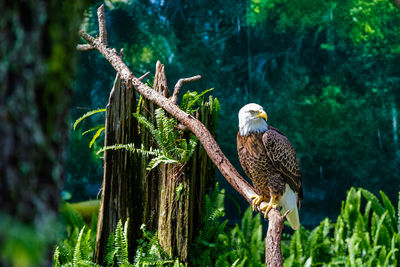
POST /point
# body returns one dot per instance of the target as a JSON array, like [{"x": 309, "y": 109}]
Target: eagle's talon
[
  {"x": 271, "y": 205},
  {"x": 256, "y": 201}
]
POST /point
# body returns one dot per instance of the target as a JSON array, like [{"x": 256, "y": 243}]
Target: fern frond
[
  {"x": 111, "y": 251},
  {"x": 391, "y": 211},
  {"x": 77, "y": 249},
  {"x": 131, "y": 148},
  {"x": 125, "y": 242},
  {"x": 139, "y": 104},
  {"x": 95, "y": 136},
  {"x": 377, "y": 207},
  {"x": 56, "y": 257},
  {"x": 88, "y": 114},
  {"x": 160, "y": 159},
  {"x": 149, "y": 126},
  {"x": 190, "y": 99},
  {"x": 93, "y": 129},
  {"x": 398, "y": 214},
  {"x": 379, "y": 228}
]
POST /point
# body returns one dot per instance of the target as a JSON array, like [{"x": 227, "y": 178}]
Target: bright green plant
[
  {"x": 173, "y": 147},
  {"x": 219, "y": 245},
  {"x": 99, "y": 128},
  {"x": 77, "y": 249},
  {"x": 363, "y": 235},
  {"x": 150, "y": 253}
]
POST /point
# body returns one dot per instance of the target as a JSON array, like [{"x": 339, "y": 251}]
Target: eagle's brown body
[{"x": 270, "y": 161}]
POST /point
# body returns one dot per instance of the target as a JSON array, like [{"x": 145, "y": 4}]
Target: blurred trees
[
  {"x": 37, "y": 52},
  {"x": 326, "y": 72}
]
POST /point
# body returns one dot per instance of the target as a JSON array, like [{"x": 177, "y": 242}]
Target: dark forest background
[{"x": 327, "y": 73}]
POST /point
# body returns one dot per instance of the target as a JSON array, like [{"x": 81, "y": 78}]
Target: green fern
[
  {"x": 77, "y": 250},
  {"x": 121, "y": 243},
  {"x": 190, "y": 99},
  {"x": 150, "y": 253},
  {"x": 174, "y": 149},
  {"x": 86, "y": 115},
  {"x": 99, "y": 128},
  {"x": 361, "y": 236},
  {"x": 95, "y": 136},
  {"x": 93, "y": 129},
  {"x": 131, "y": 148}
]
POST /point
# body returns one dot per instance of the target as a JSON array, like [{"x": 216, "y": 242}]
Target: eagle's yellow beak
[{"x": 262, "y": 114}]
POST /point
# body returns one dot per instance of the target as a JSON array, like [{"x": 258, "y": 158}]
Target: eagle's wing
[{"x": 283, "y": 157}]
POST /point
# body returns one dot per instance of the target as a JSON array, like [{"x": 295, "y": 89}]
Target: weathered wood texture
[
  {"x": 181, "y": 212},
  {"x": 273, "y": 251},
  {"x": 119, "y": 199},
  {"x": 149, "y": 197}
]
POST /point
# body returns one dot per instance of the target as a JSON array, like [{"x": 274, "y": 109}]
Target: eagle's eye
[{"x": 252, "y": 111}]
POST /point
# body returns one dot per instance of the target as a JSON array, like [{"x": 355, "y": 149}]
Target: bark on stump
[
  {"x": 130, "y": 191},
  {"x": 119, "y": 199},
  {"x": 181, "y": 212}
]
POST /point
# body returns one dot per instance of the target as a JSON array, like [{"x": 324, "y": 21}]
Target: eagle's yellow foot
[
  {"x": 256, "y": 201},
  {"x": 271, "y": 205}
]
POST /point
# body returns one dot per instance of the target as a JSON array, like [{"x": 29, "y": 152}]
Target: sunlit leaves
[{"x": 362, "y": 236}]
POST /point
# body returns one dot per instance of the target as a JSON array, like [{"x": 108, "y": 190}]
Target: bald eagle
[{"x": 268, "y": 158}]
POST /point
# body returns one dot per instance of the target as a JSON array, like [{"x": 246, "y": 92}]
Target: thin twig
[
  {"x": 84, "y": 47},
  {"x": 102, "y": 31},
  {"x": 143, "y": 76},
  {"x": 179, "y": 84}
]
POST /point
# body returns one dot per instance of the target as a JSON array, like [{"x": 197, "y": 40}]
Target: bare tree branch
[
  {"x": 84, "y": 47},
  {"x": 102, "y": 25},
  {"x": 102, "y": 31},
  {"x": 143, "y": 76},
  {"x": 179, "y": 84}
]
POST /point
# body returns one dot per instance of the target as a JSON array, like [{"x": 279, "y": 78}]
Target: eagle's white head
[{"x": 252, "y": 118}]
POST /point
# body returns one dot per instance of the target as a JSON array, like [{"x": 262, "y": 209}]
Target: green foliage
[
  {"x": 363, "y": 235},
  {"x": 87, "y": 115},
  {"x": 25, "y": 244},
  {"x": 191, "y": 98},
  {"x": 77, "y": 249},
  {"x": 132, "y": 149},
  {"x": 150, "y": 253},
  {"x": 174, "y": 149},
  {"x": 99, "y": 128},
  {"x": 117, "y": 246},
  {"x": 218, "y": 245}
]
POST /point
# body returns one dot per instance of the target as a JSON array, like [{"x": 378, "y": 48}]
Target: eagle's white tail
[{"x": 289, "y": 202}]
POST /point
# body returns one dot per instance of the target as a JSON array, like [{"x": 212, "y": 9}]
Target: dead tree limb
[
  {"x": 179, "y": 84},
  {"x": 210, "y": 145},
  {"x": 144, "y": 76}
]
